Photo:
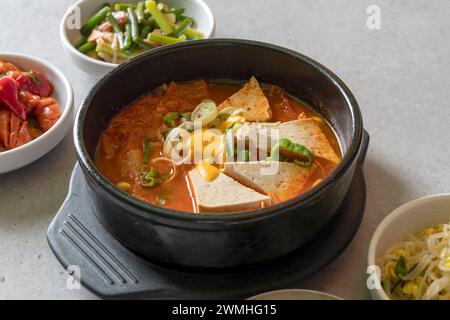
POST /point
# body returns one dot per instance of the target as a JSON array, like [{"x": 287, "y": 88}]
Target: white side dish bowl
[
  {"x": 196, "y": 9},
  {"x": 19, "y": 157},
  {"x": 294, "y": 294},
  {"x": 409, "y": 218}
]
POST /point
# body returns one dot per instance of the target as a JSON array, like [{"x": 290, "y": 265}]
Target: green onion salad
[{"x": 120, "y": 32}]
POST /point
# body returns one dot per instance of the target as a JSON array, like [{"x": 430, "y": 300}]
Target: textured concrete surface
[{"x": 399, "y": 75}]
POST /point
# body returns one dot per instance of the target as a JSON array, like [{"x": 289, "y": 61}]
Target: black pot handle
[{"x": 362, "y": 152}]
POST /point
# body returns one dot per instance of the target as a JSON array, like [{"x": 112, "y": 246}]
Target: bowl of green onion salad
[{"x": 98, "y": 36}]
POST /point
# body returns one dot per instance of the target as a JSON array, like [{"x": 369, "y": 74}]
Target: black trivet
[{"x": 110, "y": 270}]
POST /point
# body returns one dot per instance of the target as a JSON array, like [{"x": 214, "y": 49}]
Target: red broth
[{"x": 120, "y": 150}]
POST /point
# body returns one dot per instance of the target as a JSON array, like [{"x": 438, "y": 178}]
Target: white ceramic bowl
[
  {"x": 26, "y": 154},
  {"x": 196, "y": 9},
  {"x": 410, "y": 217},
  {"x": 294, "y": 294}
]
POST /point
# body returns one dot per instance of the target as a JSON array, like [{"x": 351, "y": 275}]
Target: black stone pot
[{"x": 220, "y": 240}]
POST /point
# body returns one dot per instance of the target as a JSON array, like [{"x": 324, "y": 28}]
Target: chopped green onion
[
  {"x": 163, "y": 39},
  {"x": 124, "y": 6},
  {"x": 181, "y": 28},
  {"x": 181, "y": 17},
  {"x": 80, "y": 41},
  {"x": 128, "y": 36},
  {"x": 144, "y": 32},
  {"x": 176, "y": 11},
  {"x": 147, "y": 150},
  {"x": 194, "y": 34},
  {"x": 134, "y": 23},
  {"x": 93, "y": 54},
  {"x": 185, "y": 116},
  {"x": 116, "y": 28},
  {"x": 141, "y": 43},
  {"x": 33, "y": 77},
  {"x": 107, "y": 49},
  {"x": 95, "y": 20},
  {"x": 206, "y": 112},
  {"x": 140, "y": 12},
  {"x": 170, "y": 118},
  {"x": 150, "y": 22},
  {"x": 88, "y": 46}
]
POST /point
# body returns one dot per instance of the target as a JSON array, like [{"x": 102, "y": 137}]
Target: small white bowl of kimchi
[
  {"x": 409, "y": 254},
  {"x": 36, "y": 109}
]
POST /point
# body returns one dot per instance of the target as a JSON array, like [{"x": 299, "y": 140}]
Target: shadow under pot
[{"x": 220, "y": 240}]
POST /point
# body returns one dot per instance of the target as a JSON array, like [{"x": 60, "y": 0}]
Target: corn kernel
[
  {"x": 410, "y": 288},
  {"x": 125, "y": 186},
  {"x": 429, "y": 231},
  {"x": 391, "y": 272},
  {"x": 399, "y": 253},
  {"x": 414, "y": 290}
]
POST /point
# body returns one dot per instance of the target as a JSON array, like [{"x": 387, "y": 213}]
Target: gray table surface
[{"x": 399, "y": 75}]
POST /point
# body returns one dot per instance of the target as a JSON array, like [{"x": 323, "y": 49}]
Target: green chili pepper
[
  {"x": 286, "y": 149},
  {"x": 152, "y": 182},
  {"x": 150, "y": 179},
  {"x": 153, "y": 173}
]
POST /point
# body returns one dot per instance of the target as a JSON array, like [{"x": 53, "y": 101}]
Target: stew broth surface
[{"x": 120, "y": 152}]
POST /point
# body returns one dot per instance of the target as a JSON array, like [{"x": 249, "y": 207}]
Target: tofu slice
[
  {"x": 224, "y": 194},
  {"x": 252, "y": 100},
  {"x": 284, "y": 182},
  {"x": 303, "y": 131}
]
